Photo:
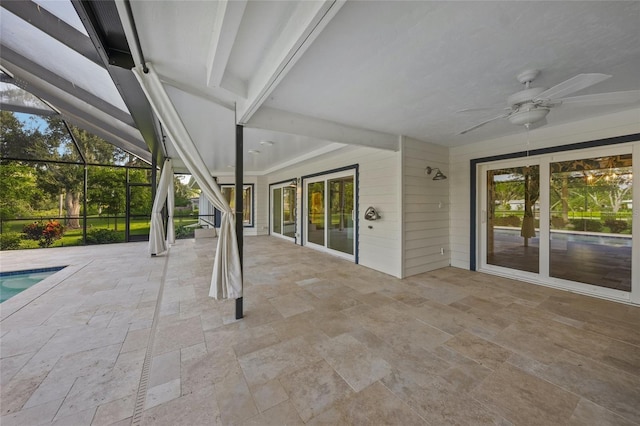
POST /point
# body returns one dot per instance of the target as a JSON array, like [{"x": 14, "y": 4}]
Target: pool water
[{"x": 12, "y": 283}]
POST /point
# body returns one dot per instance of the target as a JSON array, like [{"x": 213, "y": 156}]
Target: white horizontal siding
[
  {"x": 619, "y": 124},
  {"x": 425, "y": 208},
  {"x": 379, "y": 248}
]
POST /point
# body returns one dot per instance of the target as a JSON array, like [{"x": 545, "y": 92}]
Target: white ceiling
[{"x": 373, "y": 70}]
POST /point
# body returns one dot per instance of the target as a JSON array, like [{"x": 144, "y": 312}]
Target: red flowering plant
[{"x": 44, "y": 233}]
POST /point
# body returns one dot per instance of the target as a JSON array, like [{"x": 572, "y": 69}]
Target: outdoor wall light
[
  {"x": 438, "y": 176},
  {"x": 371, "y": 214}
]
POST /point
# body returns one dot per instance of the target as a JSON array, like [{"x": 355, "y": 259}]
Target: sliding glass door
[
  {"x": 563, "y": 220},
  {"x": 330, "y": 207},
  {"x": 591, "y": 226},
  {"x": 512, "y": 217},
  {"x": 283, "y": 210}
]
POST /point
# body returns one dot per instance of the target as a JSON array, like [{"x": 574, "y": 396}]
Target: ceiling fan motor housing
[{"x": 524, "y": 96}]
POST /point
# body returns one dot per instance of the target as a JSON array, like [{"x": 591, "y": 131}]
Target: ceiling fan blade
[
  {"x": 483, "y": 123},
  {"x": 608, "y": 98},
  {"x": 567, "y": 87},
  {"x": 477, "y": 109}
]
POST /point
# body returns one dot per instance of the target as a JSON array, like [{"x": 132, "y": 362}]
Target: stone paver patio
[{"x": 119, "y": 337}]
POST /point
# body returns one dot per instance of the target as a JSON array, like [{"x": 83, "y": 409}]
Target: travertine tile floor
[{"x": 323, "y": 342}]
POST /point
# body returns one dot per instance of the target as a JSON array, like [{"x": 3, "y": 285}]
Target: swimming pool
[{"x": 12, "y": 283}]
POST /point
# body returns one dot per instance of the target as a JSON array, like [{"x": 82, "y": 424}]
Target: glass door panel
[
  {"x": 512, "y": 218},
  {"x": 277, "y": 210},
  {"x": 590, "y": 219},
  {"x": 340, "y": 229},
  {"x": 316, "y": 210},
  {"x": 289, "y": 211}
]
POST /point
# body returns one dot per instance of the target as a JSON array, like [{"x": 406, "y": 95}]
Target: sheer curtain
[
  {"x": 226, "y": 281},
  {"x": 157, "y": 243}
]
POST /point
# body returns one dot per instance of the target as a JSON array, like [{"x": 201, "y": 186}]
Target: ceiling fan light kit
[
  {"x": 532, "y": 104},
  {"x": 526, "y": 116}
]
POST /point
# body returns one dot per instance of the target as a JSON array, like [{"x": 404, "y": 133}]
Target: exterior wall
[
  {"x": 619, "y": 124},
  {"x": 425, "y": 207},
  {"x": 379, "y": 248}
]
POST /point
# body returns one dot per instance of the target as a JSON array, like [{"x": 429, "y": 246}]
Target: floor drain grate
[{"x": 141, "y": 396}]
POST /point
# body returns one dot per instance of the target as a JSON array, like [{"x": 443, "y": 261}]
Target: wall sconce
[
  {"x": 438, "y": 176},
  {"x": 294, "y": 182},
  {"x": 371, "y": 214}
]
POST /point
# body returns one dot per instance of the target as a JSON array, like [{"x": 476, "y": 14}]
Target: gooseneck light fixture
[{"x": 438, "y": 176}]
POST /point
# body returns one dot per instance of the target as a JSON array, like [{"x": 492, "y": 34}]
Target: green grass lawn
[{"x": 73, "y": 237}]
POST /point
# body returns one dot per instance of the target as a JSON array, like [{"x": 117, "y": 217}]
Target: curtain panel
[
  {"x": 226, "y": 281},
  {"x": 157, "y": 242}
]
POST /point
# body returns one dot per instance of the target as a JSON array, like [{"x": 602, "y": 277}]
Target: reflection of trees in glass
[
  {"x": 247, "y": 198},
  {"x": 510, "y": 189},
  {"x": 516, "y": 185},
  {"x": 590, "y": 188},
  {"x": 316, "y": 197},
  {"x": 288, "y": 202}
]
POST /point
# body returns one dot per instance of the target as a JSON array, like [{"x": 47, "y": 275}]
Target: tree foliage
[{"x": 36, "y": 139}]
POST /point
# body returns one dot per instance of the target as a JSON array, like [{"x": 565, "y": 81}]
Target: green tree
[
  {"x": 19, "y": 193},
  {"x": 140, "y": 197},
  {"x": 107, "y": 190},
  {"x": 183, "y": 192},
  {"x": 69, "y": 179}
]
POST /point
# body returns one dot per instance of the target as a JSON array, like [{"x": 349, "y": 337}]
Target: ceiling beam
[
  {"x": 108, "y": 34},
  {"x": 225, "y": 29},
  {"x": 55, "y": 27},
  {"x": 81, "y": 113},
  {"x": 306, "y": 23},
  {"x": 13, "y": 57},
  {"x": 187, "y": 88},
  {"x": 297, "y": 124}
]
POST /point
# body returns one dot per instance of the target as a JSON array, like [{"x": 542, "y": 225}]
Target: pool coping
[
  {"x": 22, "y": 299},
  {"x": 32, "y": 271}
]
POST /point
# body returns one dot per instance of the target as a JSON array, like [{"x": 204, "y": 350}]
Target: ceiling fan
[{"x": 529, "y": 107}]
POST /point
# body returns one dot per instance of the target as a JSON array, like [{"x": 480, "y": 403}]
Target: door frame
[
  {"x": 603, "y": 147},
  {"x": 283, "y": 184},
  {"x": 351, "y": 170}
]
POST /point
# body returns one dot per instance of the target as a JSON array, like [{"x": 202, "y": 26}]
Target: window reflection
[{"x": 590, "y": 214}]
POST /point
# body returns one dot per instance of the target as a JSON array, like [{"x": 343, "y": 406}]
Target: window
[{"x": 229, "y": 192}]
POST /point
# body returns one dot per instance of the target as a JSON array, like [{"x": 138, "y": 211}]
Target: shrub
[
  {"x": 10, "y": 241},
  {"x": 182, "y": 232},
  {"x": 44, "y": 233},
  {"x": 33, "y": 231},
  {"x": 103, "y": 236},
  {"x": 508, "y": 221},
  {"x": 557, "y": 222},
  {"x": 586, "y": 225},
  {"x": 28, "y": 244},
  {"x": 616, "y": 226}
]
